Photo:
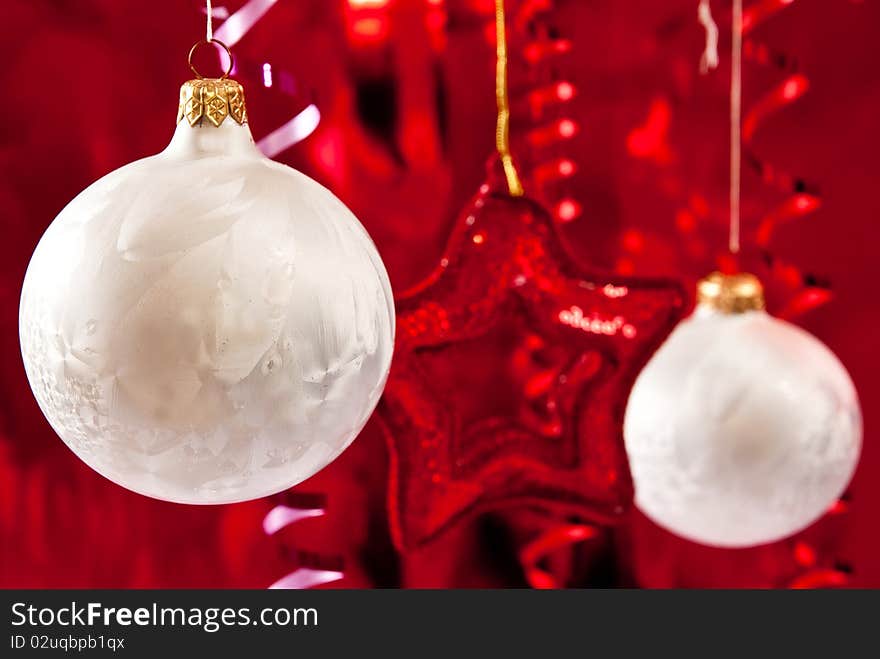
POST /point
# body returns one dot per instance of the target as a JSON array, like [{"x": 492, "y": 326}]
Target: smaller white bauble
[
  {"x": 742, "y": 429},
  {"x": 206, "y": 325}
]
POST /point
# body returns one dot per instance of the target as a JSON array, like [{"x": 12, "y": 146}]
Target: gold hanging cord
[{"x": 502, "y": 126}]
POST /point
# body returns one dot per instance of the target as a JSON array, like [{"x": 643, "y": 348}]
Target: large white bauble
[
  {"x": 206, "y": 325},
  {"x": 741, "y": 430}
]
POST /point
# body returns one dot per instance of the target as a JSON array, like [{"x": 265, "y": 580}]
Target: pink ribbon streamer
[
  {"x": 558, "y": 537},
  {"x": 240, "y": 23},
  {"x": 305, "y": 577},
  {"x": 281, "y": 516},
  {"x": 291, "y": 132},
  {"x": 233, "y": 30},
  {"x": 313, "y": 569}
]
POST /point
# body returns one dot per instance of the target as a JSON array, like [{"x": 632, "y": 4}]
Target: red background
[{"x": 408, "y": 121}]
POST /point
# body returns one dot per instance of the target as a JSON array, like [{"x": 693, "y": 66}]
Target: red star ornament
[{"x": 511, "y": 374}]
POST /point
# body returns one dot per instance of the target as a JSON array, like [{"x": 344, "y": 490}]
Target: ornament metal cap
[
  {"x": 734, "y": 293},
  {"x": 213, "y": 99}
]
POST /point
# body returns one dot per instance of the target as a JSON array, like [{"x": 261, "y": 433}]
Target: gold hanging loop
[{"x": 206, "y": 42}]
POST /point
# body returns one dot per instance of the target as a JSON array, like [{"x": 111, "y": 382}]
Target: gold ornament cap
[
  {"x": 213, "y": 100},
  {"x": 735, "y": 293}
]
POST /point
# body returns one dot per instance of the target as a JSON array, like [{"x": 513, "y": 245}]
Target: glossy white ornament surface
[
  {"x": 206, "y": 325},
  {"x": 742, "y": 429}
]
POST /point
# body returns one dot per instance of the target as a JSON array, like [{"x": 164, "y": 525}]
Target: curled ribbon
[
  {"x": 311, "y": 569},
  {"x": 820, "y": 578},
  {"x": 291, "y": 132},
  {"x": 240, "y": 23},
  {"x": 815, "y": 575},
  {"x": 548, "y": 176},
  {"x": 233, "y": 30},
  {"x": 554, "y": 539},
  {"x": 282, "y": 516},
  {"x": 802, "y": 197}
]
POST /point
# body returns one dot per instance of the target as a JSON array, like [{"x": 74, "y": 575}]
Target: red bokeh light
[
  {"x": 568, "y": 210},
  {"x": 566, "y": 167},
  {"x": 565, "y": 91},
  {"x": 567, "y": 128},
  {"x": 371, "y": 27}
]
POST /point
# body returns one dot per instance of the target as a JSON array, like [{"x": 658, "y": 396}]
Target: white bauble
[
  {"x": 206, "y": 325},
  {"x": 741, "y": 430}
]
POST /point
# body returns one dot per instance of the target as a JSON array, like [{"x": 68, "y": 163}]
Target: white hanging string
[
  {"x": 735, "y": 123},
  {"x": 708, "y": 61},
  {"x": 209, "y": 31}
]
